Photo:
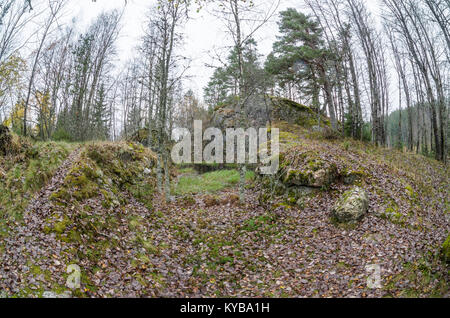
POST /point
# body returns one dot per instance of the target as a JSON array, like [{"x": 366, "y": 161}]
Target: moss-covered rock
[
  {"x": 351, "y": 206},
  {"x": 284, "y": 109},
  {"x": 308, "y": 170},
  {"x": 105, "y": 169}
]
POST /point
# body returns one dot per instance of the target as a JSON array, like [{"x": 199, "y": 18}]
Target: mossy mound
[
  {"x": 24, "y": 173},
  {"x": 98, "y": 184},
  {"x": 90, "y": 213},
  {"x": 105, "y": 169},
  {"x": 306, "y": 166}
]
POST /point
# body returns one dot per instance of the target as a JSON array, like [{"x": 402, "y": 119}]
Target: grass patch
[{"x": 209, "y": 182}]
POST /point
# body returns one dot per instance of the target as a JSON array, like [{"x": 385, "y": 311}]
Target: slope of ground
[
  {"x": 80, "y": 217},
  {"x": 22, "y": 173},
  {"x": 408, "y": 217},
  {"x": 100, "y": 212}
]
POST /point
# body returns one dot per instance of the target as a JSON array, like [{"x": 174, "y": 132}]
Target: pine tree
[
  {"x": 300, "y": 57},
  {"x": 224, "y": 84},
  {"x": 100, "y": 116}
]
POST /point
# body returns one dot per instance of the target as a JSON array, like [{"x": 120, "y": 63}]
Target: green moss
[
  {"x": 56, "y": 224},
  {"x": 445, "y": 250},
  {"x": 289, "y": 139},
  {"x": 299, "y": 176},
  {"x": 315, "y": 164},
  {"x": 136, "y": 223},
  {"x": 263, "y": 222},
  {"x": 409, "y": 190},
  {"x": 61, "y": 226},
  {"x": 427, "y": 281},
  {"x": 80, "y": 183},
  {"x": 307, "y": 121}
]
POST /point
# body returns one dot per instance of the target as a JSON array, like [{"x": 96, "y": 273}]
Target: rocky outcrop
[
  {"x": 225, "y": 117},
  {"x": 302, "y": 173},
  {"x": 351, "y": 207},
  {"x": 261, "y": 109}
]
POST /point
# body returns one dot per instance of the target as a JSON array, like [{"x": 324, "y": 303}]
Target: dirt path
[
  {"x": 40, "y": 202},
  {"x": 27, "y": 243}
]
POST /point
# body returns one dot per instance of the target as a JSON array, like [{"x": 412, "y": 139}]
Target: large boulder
[
  {"x": 283, "y": 109},
  {"x": 261, "y": 109},
  {"x": 351, "y": 207},
  {"x": 309, "y": 170},
  {"x": 257, "y": 109}
]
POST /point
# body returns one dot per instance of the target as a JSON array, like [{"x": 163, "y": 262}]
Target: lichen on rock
[{"x": 351, "y": 206}]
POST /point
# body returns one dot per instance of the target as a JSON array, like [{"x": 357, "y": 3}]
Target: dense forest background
[{"x": 384, "y": 79}]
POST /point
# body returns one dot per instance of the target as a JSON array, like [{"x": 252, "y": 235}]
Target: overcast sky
[{"x": 204, "y": 34}]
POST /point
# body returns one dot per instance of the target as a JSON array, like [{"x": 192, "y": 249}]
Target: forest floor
[{"x": 204, "y": 243}]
